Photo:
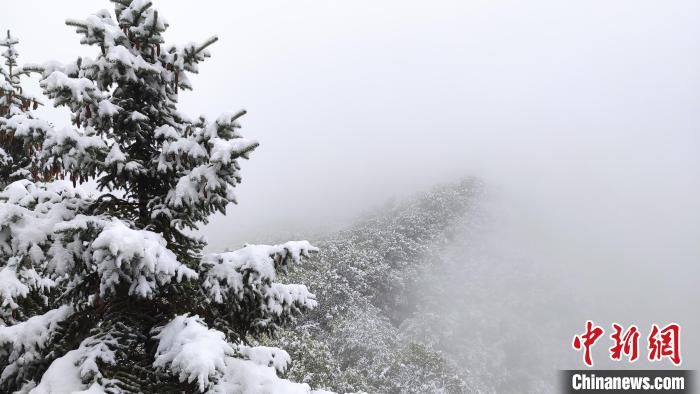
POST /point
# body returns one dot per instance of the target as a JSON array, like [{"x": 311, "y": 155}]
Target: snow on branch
[
  {"x": 77, "y": 371},
  {"x": 192, "y": 350},
  {"x": 11, "y": 287},
  {"x": 196, "y": 353},
  {"x": 283, "y": 299},
  {"x": 20, "y": 344},
  {"x": 266, "y": 356},
  {"x": 29, "y": 214},
  {"x": 23, "y": 126},
  {"x": 81, "y": 89},
  {"x": 74, "y": 147},
  {"x": 246, "y": 376},
  {"x": 16, "y": 282},
  {"x": 230, "y": 276},
  {"x": 139, "y": 256}
]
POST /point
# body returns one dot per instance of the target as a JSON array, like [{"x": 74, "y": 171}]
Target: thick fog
[{"x": 582, "y": 117}]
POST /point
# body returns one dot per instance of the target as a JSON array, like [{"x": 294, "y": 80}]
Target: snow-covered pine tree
[
  {"x": 140, "y": 308},
  {"x": 20, "y": 133}
]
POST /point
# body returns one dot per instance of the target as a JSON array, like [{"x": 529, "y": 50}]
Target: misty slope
[
  {"x": 493, "y": 306},
  {"x": 366, "y": 279}
]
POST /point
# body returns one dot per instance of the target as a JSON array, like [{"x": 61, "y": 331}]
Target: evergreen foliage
[{"x": 21, "y": 134}]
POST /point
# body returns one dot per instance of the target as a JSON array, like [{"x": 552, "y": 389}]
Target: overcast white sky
[{"x": 588, "y": 109}]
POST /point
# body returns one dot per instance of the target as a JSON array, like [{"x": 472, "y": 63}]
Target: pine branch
[
  {"x": 208, "y": 42},
  {"x": 140, "y": 12},
  {"x": 76, "y": 23},
  {"x": 155, "y": 23},
  {"x": 190, "y": 56},
  {"x": 238, "y": 115}
]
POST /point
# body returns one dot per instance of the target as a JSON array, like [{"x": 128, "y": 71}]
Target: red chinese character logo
[
  {"x": 627, "y": 344},
  {"x": 665, "y": 342},
  {"x": 586, "y": 340}
]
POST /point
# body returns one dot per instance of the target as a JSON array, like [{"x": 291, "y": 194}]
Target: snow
[
  {"x": 192, "y": 187},
  {"x": 187, "y": 347},
  {"x": 65, "y": 374},
  {"x": 266, "y": 356},
  {"x": 29, "y": 214},
  {"x": 282, "y": 297},
  {"x": 11, "y": 288},
  {"x": 182, "y": 146},
  {"x": 22, "y": 341},
  {"x": 79, "y": 87},
  {"x": 129, "y": 14},
  {"x": 223, "y": 151},
  {"x": 93, "y": 389},
  {"x": 124, "y": 56},
  {"x": 139, "y": 255},
  {"x": 166, "y": 131},
  {"x": 26, "y": 127},
  {"x": 225, "y": 272},
  {"x": 99, "y": 27},
  {"x": 35, "y": 331},
  {"x": 62, "y": 377},
  {"x": 14, "y": 284},
  {"x": 73, "y": 147},
  {"x": 195, "y": 352},
  {"x": 137, "y": 116},
  {"x": 244, "y": 376},
  {"x": 115, "y": 155},
  {"x": 105, "y": 108},
  {"x": 72, "y": 137},
  {"x": 23, "y": 230}
]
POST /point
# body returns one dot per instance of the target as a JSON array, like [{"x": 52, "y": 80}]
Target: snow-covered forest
[{"x": 419, "y": 199}]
